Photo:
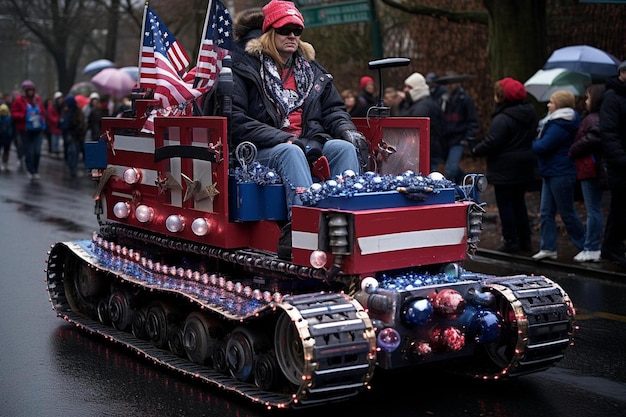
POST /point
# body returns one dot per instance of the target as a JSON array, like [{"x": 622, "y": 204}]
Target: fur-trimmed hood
[
  {"x": 247, "y": 21},
  {"x": 306, "y": 49}
]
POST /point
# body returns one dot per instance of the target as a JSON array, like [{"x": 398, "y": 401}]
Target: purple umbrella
[
  {"x": 582, "y": 58},
  {"x": 113, "y": 81}
]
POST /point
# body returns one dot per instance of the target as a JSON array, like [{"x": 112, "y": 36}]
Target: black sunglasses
[{"x": 287, "y": 30}]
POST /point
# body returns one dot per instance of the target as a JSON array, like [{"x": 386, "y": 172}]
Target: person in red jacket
[{"x": 29, "y": 115}]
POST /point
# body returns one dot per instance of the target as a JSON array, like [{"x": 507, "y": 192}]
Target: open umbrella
[
  {"x": 452, "y": 77},
  {"x": 545, "y": 82},
  {"x": 582, "y": 58},
  {"x": 81, "y": 100},
  {"x": 113, "y": 81},
  {"x": 132, "y": 71},
  {"x": 84, "y": 88},
  {"x": 96, "y": 66}
]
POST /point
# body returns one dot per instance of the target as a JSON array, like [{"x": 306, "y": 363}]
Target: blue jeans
[
  {"x": 557, "y": 195},
  {"x": 592, "y": 194},
  {"x": 55, "y": 139},
  {"x": 31, "y": 145},
  {"x": 452, "y": 168},
  {"x": 72, "y": 150},
  {"x": 290, "y": 163}
]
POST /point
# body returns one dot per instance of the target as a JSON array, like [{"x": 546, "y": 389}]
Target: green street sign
[{"x": 337, "y": 14}]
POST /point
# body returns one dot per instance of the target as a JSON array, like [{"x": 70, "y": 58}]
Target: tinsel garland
[
  {"x": 349, "y": 184},
  {"x": 256, "y": 173}
]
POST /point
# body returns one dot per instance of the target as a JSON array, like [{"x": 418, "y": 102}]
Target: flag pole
[
  {"x": 196, "y": 80},
  {"x": 141, "y": 35}
]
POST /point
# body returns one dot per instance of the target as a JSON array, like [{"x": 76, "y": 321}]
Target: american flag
[
  {"x": 161, "y": 62},
  {"x": 216, "y": 42}
]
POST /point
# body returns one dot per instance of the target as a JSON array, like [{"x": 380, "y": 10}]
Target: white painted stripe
[
  {"x": 202, "y": 173},
  {"x": 175, "y": 169},
  {"x": 134, "y": 143},
  {"x": 122, "y": 195},
  {"x": 337, "y": 324},
  {"x": 411, "y": 240},
  {"x": 390, "y": 242},
  {"x": 304, "y": 240},
  {"x": 326, "y": 309}
]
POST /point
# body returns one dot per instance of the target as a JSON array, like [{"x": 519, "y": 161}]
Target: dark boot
[
  {"x": 615, "y": 255},
  {"x": 509, "y": 247},
  {"x": 284, "y": 242},
  {"x": 525, "y": 245}
]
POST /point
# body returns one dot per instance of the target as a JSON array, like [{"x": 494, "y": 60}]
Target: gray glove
[{"x": 360, "y": 143}]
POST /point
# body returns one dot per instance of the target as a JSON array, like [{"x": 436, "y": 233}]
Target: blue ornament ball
[
  {"x": 485, "y": 327},
  {"x": 417, "y": 312}
]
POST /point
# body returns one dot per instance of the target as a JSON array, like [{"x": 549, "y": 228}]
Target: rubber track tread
[
  {"x": 333, "y": 379},
  {"x": 549, "y": 323}
]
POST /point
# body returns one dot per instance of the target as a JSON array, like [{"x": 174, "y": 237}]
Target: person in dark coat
[
  {"x": 510, "y": 161},
  {"x": 558, "y": 174},
  {"x": 613, "y": 131},
  {"x": 437, "y": 91},
  {"x": 461, "y": 124},
  {"x": 7, "y": 132},
  {"x": 366, "y": 98},
  {"x": 72, "y": 124},
  {"x": 419, "y": 103},
  {"x": 286, "y": 104}
]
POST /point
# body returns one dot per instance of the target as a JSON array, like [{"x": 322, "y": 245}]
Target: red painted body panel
[{"x": 383, "y": 239}]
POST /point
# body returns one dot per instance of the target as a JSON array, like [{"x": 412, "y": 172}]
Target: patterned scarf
[{"x": 286, "y": 100}]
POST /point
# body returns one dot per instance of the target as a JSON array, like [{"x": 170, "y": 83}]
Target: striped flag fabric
[
  {"x": 216, "y": 43},
  {"x": 161, "y": 63}
]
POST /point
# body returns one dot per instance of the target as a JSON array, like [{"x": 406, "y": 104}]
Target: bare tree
[
  {"x": 56, "y": 25},
  {"x": 69, "y": 28},
  {"x": 517, "y": 31}
]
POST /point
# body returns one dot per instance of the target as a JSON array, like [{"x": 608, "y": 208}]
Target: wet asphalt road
[{"x": 49, "y": 368}]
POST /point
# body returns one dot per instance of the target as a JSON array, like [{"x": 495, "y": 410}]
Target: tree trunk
[
  {"x": 517, "y": 37},
  {"x": 112, "y": 25}
]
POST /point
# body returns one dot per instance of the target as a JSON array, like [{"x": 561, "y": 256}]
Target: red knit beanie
[
  {"x": 278, "y": 13},
  {"x": 513, "y": 89},
  {"x": 364, "y": 80}
]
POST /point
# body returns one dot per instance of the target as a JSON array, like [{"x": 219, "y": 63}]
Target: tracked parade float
[{"x": 184, "y": 268}]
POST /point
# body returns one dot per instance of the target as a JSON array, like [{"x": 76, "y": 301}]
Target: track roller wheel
[
  {"x": 242, "y": 348},
  {"x": 197, "y": 340},
  {"x": 219, "y": 357},
  {"x": 156, "y": 325},
  {"x": 120, "y": 311},
  {"x": 138, "y": 326},
  {"x": 289, "y": 350},
  {"x": 86, "y": 282},
  {"x": 103, "y": 312},
  {"x": 266, "y": 371},
  {"x": 175, "y": 340}
]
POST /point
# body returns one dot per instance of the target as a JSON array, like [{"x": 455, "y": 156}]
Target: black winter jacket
[
  {"x": 461, "y": 120},
  {"x": 256, "y": 119},
  {"x": 427, "y": 107},
  {"x": 613, "y": 130},
  {"x": 508, "y": 144}
]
